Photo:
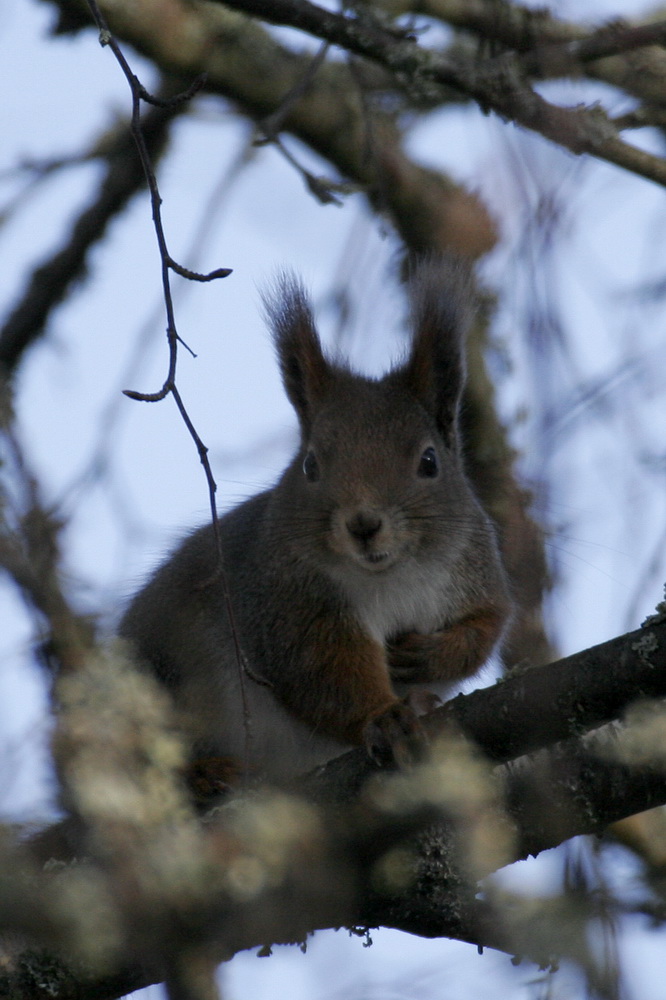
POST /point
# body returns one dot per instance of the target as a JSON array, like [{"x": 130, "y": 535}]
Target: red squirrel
[{"x": 368, "y": 569}]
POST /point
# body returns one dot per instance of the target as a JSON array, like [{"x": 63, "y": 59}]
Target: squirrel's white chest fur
[{"x": 411, "y": 597}]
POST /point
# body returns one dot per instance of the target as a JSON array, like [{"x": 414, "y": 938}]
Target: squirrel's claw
[
  {"x": 211, "y": 778},
  {"x": 396, "y": 736},
  {"x": 422, "y": 702}
]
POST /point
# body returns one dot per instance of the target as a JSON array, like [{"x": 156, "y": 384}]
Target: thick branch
[
  {"x": 542, "y": 706},
  {"x": 328, "y": 881}
]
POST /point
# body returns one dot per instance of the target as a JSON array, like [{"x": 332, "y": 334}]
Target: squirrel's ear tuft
[
  {"x": 305, "y": 371},
  {"x": 441, "y": 297}
]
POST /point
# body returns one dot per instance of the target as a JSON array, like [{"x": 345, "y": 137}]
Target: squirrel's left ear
[
  {"x": 442, "y": 299},
  {"x": 306, "y": 374}
]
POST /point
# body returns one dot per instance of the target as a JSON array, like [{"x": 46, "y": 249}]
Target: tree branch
[
  {"x": 52, "y": 280},
  {"x": 495, "y": 84},
  {"x": 333, "y": 860},
  {"x": 542, "y": 706},
  {"x": 545, "y": 40}
]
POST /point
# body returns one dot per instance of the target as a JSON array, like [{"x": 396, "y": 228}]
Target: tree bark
[{"x": 329, "y": 872}]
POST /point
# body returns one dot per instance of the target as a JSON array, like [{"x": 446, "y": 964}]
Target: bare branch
[
  {"x": 542, "y": 706},
  {"x": 616, "y": 38},
  {"x": 171, "y": 104},
  {"x": 272, "y": 125},
  {"x": 536, "y": 31},
  {"x": 29, "y": 552},
  {"x": 495, "y": 84}
]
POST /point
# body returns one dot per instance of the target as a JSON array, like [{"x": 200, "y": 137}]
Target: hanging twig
[
  {"x": 169, "y": 387},
  {"x": 139, "y": 93}
]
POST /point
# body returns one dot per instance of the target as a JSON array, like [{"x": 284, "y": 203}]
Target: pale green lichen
[
  {"x": 659, "y": 614},
  {"x": 646, "y": 646},
  {"x": 642, "y": 743}
]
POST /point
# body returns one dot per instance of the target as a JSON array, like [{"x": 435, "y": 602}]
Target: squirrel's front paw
[
  {"x": 396, "y": 735},
  {"x": 210, "y": 778},
  {"x": 413, "y": 657}
]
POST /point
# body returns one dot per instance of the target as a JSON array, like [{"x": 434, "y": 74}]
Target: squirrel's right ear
[
  {"x": 305, "y": 371},
  {"x": 441, "y": 295}
]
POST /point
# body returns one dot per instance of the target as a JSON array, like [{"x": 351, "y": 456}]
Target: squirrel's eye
[
  {"x": 311, "y": 467},
  {"x": 428, "y": 467}
]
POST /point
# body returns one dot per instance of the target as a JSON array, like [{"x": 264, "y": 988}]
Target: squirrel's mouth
[
  {"x": 376, "y": 560},
  {"x": 376, "y": 557},
  {"x": 368, "y": 540}
]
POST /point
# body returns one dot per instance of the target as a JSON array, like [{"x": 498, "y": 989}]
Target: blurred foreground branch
[{"x": 347, "y": 847}]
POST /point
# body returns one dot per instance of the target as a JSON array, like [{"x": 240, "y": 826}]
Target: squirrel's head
[{"x": 378, "y": 476}]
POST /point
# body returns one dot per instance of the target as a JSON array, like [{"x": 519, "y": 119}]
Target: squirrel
[{"x": 366, "y": 572}]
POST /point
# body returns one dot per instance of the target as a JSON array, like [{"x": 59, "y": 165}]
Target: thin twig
[
  {"x": 321, "y": 187},
  {"x": 272, "y": 125},
  {"x": 140, "y": 93},
  {"x": 169, "y": 387},
  {"x": 177, "y": 99}
]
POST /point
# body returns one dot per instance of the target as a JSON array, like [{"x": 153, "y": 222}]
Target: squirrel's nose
[{"x": 364, "y": 525}]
